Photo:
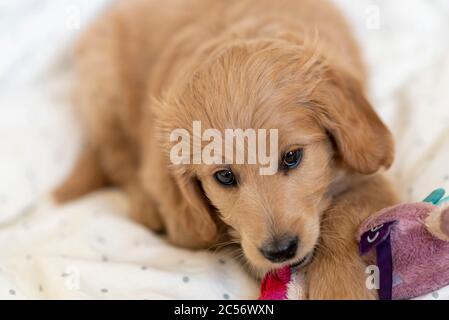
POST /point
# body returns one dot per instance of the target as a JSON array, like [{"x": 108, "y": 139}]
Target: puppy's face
[
  {"x": 323, "y": 125},
  {"x": 275, "y": 218}
]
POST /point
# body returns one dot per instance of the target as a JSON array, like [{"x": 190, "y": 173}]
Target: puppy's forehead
[
  {"x": 293, "y": 123},
  {"x": 250, "y": 87}
]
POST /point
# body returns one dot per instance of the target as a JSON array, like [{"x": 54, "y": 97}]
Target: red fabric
[{"x": 274, "y": 284}]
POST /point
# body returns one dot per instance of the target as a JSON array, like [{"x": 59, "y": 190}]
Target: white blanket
[{"x": 89, "y": 248}]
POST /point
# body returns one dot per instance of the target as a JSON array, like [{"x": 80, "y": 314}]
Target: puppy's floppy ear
[
  {"x": 189, "y": 220},
  {"x": 363, "y": 141},
  {"x": 195, "y": 219}
]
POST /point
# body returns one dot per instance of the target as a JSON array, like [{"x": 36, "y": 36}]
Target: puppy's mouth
[{"x": 303, "y": 261}]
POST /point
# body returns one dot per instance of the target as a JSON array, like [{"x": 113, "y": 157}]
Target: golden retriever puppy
[{"x": 147, "y": 68}]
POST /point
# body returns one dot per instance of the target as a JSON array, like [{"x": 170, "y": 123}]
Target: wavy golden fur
[{"x": 147, "y": 67}]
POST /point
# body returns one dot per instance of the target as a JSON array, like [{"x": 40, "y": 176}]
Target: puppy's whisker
[{"x": 221, "y": 245}]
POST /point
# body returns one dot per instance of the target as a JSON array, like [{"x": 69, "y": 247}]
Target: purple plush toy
[{"x": 411, "y": 242}]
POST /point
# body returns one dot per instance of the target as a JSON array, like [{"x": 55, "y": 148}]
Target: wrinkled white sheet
[{"x": 89, "y": 248}]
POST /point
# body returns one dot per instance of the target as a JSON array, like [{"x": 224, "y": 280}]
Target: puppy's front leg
[{"x": 337, "y": 270}]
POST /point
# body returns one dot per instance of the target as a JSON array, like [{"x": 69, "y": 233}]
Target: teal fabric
[
  {"x": 444, "y": 200},
  {"x": 437, "y": 197}
]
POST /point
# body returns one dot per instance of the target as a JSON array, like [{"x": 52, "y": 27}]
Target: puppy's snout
[{"x": 281, "y": 249}]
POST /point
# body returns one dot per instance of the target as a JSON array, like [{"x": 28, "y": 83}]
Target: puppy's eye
[
  {"x": 225, "y": 177},
  {"x": 292, "y": 158}
]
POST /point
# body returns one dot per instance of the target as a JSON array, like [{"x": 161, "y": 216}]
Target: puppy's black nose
[{"x": 280, "y": 250}]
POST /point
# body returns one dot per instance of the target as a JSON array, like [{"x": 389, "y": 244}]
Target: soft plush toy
[
  {"x": 411, "y": 242},
  {"x": 411, "y": 246}
]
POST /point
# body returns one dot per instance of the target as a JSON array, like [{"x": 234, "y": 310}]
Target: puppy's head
[{"x": 323, "y": 124}]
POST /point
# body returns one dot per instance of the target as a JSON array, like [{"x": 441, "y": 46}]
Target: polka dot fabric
[{"x": 90, "y": 248}]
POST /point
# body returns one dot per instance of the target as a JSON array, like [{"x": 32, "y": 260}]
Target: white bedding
[{"x": 89, "y": 248}]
